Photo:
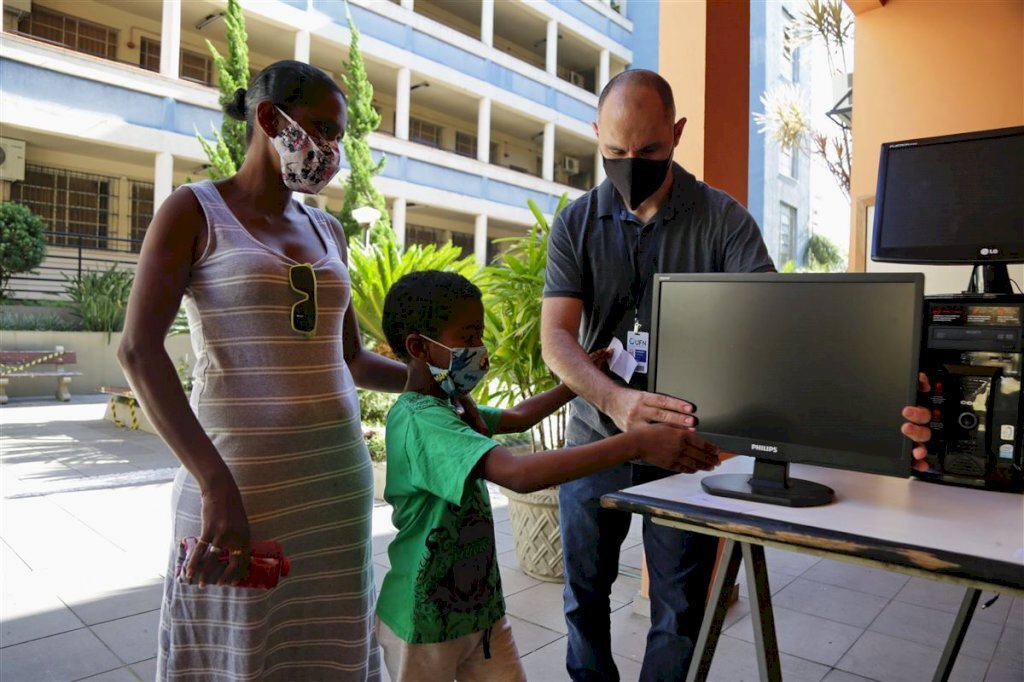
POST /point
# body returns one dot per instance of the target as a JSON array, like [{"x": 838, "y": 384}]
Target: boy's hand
[
  {"x": 677, "y": 449},
  {"x": 468, "y": 412}
]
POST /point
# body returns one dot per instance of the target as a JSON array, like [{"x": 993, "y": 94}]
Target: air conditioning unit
[
  {"x": 12, "y": 160},
  {"x": 577, "y": 79},
  {"x": 20, "y": 6},
  {"x": 571, "y": 165}
]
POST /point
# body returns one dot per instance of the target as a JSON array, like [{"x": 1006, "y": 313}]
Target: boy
[{"x": 441, "y": 614}]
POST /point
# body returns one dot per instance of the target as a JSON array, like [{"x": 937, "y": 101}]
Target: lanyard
[{"x": 638, "y": 286}]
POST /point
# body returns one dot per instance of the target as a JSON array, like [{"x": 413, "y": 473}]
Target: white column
[
  {"x": 603, "y": 69},
  {"x": 407, "y": 4},
  {"x": 302, "y": 46},
  {"x": 552, "y": 48},
  {"x": 170, "y": 38},
  {"x": 598, "y": 168},
  {"x": 487, "y": 22},
  {"x": 163, "y": 178},
  {"x": 483, "y": 130},
  {"x": 548, "y": 162},
  {"x": 402, "y": 104},
  {"x": 480, "y": 239},
  {"x": 398, "y": 220}
]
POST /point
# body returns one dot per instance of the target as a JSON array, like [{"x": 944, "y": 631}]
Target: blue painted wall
[
  {"x": 758, "y": 82},
  {"x": 644, "y": 15}
]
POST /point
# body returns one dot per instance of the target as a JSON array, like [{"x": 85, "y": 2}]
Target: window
[
  {"x": 787, "y": 233},
  {"x": 424, "y": 235},
  {"x": 789, "y": 162},
  {"x": 71, "y": 32},
  {"x": 790, "y": 56},
  {"x": 425, "y": 133},
  {"x": 193, "y": 65},
  {"x": 463, "y": 240},
  {"x": 465, "y": 144},
  {"x": 141, "y": 211},
  {"x": 79, "y": 208}
]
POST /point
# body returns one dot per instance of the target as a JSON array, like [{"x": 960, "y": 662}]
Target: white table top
[{"x": 906, "y": 513}]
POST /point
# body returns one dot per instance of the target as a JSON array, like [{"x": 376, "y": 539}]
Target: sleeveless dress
[{"x": 282, "y": 410}]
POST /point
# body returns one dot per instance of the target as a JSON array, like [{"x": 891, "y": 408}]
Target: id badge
[{"x": 636, "y": 345}]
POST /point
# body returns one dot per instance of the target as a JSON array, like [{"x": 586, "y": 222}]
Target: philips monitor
[
  {"x": 956, "y": 199},
  {"x": 784, "y": 368}
]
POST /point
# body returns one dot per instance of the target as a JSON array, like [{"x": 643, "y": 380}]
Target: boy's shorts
[{"x": 460, "y": 659}]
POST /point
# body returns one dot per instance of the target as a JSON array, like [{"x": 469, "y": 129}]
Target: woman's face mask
[
  {"x": 307, "y": 165},
  {"x": 466, "y": 369}
]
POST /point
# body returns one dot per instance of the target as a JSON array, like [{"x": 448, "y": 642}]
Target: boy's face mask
[
  {"x": 307, "y": 165},
  {"x": 466, "y": 369}
]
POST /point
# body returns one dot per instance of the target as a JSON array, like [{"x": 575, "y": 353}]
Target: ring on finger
[
  {"x": 215, "y": 549},
  {"x": 238, "y": 552}
]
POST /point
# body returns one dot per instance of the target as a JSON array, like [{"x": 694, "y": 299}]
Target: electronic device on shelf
[
  {"x": 973, "y": 354},
  {"x": 954, "y": 199},
  {"x": 810, "y": 368}
]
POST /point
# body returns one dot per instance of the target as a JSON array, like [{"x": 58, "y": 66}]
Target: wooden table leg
[
  {"x": 714, "y": 613},
  {"x": 956, "y": 637},
  {"x": 761, "y": 614}
]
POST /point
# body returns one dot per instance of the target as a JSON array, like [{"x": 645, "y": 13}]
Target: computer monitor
[
  {"x": 810, "y": 368},
  {"x": 953, "y": 199}
]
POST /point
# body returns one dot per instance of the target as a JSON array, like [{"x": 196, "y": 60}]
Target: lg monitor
[
  {"x": 809, "y": 368},
  {"x": 955, "y": 199}
]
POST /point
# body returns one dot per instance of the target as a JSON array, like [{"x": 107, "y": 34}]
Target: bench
[{"x": 36, "y": 363}]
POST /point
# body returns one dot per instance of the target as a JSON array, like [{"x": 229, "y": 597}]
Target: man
[{"x": 650, "y": 216}]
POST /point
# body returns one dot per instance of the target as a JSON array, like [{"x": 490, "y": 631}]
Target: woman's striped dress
[{"x": 282, "y": 411}]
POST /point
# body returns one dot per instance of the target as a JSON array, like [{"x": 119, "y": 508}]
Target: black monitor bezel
[
  {"x": 935, "y": 254},
  {"x": 899, "y": 466}
]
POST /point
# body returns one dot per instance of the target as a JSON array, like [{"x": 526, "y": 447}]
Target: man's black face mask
[{"x": 636, "y": 179}]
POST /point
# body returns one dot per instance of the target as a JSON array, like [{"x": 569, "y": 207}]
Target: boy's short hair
[{"x": 421, "y": 303}]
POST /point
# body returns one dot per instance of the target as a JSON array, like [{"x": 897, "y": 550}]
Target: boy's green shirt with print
[{"x": 444, "y": 582}]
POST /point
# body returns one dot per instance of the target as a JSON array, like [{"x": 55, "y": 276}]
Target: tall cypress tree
[
  {"x": 362, "y": 120},
  {"x": 227, "y": 155}
]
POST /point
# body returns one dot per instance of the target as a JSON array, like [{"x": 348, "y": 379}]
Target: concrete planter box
[{"x": 97, "y": 359}]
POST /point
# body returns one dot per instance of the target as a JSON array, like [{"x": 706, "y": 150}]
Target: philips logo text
[{"x": 763, "y": 448}]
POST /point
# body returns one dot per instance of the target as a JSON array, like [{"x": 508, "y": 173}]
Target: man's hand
[
  {"x": 630, "y": 409},
  {"x": 916, "y": 426}
]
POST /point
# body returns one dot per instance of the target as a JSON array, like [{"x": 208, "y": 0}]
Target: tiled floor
[{"x": 83, "y": 541}]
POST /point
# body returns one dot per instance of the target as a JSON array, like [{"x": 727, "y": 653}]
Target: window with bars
[
  {"x": 787, "y": 233},
  {"x": 193, "y": 66},
  {"x": 70, "y": 32},
  {"x": 789, "y": 162},
  {"x": 79, "y": 208},
  {"x": 424, "y": 132},
  {"x": 424, "y": 235},
  {"x": 790, "y": 54},
  {"x": 141, "y": 211},
  {"x": 465, "y": 144}
]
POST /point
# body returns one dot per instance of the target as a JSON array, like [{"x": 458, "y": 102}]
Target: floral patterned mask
[{"x": 307, "y": 165}]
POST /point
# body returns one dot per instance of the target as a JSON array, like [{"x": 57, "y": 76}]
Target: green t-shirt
[{"x": 444, "y": 581}]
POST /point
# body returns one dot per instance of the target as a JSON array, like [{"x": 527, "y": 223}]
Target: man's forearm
[{"x": 567, "y": 359}]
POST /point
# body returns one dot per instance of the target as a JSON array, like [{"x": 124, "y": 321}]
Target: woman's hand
[
  {"x": 225, "y": 531},
  {"x": 601, "y": 357}
]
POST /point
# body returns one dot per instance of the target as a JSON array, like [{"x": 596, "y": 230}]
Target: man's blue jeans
[{"x": 679, "y": 565}]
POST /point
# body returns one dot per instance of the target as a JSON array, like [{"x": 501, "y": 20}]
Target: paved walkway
[{"x": 84, "y": 531}]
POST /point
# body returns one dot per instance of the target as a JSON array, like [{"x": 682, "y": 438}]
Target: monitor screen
[
  {"x": 951, "y": 199},
  {"x": 793, "y": 367}
]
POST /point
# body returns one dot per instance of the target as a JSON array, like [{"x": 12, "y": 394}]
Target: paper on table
[
  {"x": 723, "y": 503},
  {"x": 622, "y": 363}
]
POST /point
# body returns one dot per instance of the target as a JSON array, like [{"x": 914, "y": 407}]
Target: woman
[{"x": 270, "y": 442}]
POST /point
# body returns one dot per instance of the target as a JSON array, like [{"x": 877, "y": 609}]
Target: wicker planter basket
[{"x": 536, "y": 532}]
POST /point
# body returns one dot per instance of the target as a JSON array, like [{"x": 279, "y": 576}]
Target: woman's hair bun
[{"x": 236, "y": 107}]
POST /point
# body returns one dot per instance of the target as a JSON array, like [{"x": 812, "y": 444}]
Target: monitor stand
[
  {"x": 769, "y": 483},
  {"x": 995, "y": 279}
]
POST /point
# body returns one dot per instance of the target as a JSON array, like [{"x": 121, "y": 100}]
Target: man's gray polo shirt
[{"x": 601, "y": 254}]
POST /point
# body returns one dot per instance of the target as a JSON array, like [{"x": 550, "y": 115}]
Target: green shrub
[
  {"x": 22, "y": 242},
  {"x": 375, "y": 444},
  {"x": 99, "y": 298},
  {"x": 374, "y": 407},
  {"x": 36, "y": 322}
]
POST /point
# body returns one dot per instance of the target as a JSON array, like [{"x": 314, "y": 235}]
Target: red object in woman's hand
[{"x": 266, "y": 566}]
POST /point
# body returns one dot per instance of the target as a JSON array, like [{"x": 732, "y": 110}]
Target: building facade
[
  {"x": 484, "y": 104},
  {"x": 779, "y": 185}
]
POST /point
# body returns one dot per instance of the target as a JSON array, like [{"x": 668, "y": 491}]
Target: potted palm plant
[{"x": 513, "y": 288}]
